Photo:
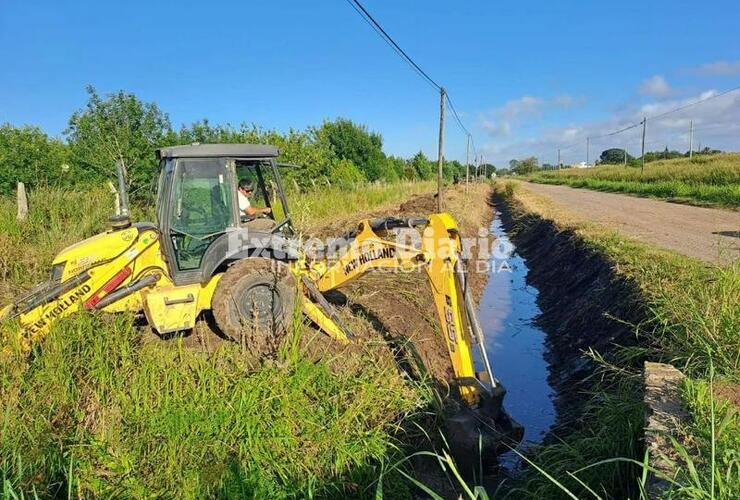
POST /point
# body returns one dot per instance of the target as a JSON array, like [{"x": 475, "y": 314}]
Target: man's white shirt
[{"x": 243, "y": 201}]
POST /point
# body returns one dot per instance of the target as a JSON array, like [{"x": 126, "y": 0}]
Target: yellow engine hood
[{"x": 92, "y": 251}]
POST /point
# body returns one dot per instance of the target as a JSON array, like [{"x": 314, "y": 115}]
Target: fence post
[{"x": 22, "y": 202}]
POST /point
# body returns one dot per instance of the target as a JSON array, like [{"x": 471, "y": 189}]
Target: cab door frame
[{"x": 164, "y": 215}]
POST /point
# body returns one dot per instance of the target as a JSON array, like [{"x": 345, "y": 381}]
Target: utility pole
[
  {"x": 485, "y": 167},
  {"x": 559, "y": 159},
  {"x": 625, "y": 156},
  {"x": 588, "y": 147},
  {"x": 691, "y": 139},
  {"x": 467, "y": 164},
  {"x": 644, "y": 123},
  {"x": 441, "y": 147}
]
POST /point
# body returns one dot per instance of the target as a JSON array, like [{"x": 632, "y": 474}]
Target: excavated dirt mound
[
  {"x": 391, "y": 315},
  {"x": 398, "y": 308}
]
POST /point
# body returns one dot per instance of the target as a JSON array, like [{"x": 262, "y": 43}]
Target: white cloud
[
  {"x": 719, "y": 68},
  {"x": 655, "y": 86},
  {"x": 716, "y": 124},
  {"x": 496, "y": 128},
  {"x": 525, "y": 105},
  {"x": 500, "y": 121}
]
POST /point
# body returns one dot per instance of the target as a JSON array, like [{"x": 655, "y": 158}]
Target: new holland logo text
[
  {"x": 369, "y": 256},
  {"x": 60, "y": 306}
]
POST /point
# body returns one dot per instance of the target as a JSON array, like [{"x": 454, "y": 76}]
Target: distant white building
[{"x": 582, "y": 164}]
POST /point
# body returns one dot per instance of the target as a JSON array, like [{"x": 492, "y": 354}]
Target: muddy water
[{"x": 516, "y": 346}]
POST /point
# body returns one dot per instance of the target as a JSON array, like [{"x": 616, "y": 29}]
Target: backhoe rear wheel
[{"x": 253, "y": 304}]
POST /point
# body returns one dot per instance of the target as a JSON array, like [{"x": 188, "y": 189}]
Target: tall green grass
[
  {"x": 326, "y": 204},
  {"x": 713, "y": 180},
  {"x": 99, "y": 409},
  {"x": 135, "y": 418}
]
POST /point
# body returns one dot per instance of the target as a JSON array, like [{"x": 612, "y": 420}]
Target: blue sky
[{"x": 525, "y": 76}]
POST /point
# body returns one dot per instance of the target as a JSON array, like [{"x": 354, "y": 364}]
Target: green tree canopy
[
  {"x": 30, "y": 156},
  {"x": 421, "y": 167},
  {"x": 350, "y": 141},
  {"x": 118, "y": 127},
  {"x": 613, "y": 156},
  {"x": 525, "y": 166}
]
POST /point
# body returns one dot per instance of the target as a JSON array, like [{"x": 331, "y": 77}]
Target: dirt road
[{"x": 709, "y": 234}]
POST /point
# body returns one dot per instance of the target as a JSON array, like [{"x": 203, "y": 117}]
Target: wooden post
[
  {"x": 467, "y": 164},
  {"x": 440, "y": 147},
  {"x": 559, "y": 159},
  {"x": 22, "y": 202},
  {"x": 644, "y": 123}
]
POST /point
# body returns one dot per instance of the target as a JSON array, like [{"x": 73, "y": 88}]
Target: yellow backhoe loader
[{"x": 205, "y": 253}]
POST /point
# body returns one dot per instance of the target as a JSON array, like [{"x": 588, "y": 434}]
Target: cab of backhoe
[{"x": 198, "y": 211}]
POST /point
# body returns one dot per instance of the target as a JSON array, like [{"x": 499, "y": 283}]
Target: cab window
[
  {"x": 264, "y": 194},
  {"x": 201, "y": 210}
]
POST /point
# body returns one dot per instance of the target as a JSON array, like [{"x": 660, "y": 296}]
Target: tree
[
  {"x": 421, "y": 166},
  {"x": 525, "y": 166},
  {"x": 613, "y": 156},
  {"x": 350, "y": 141},
  {"x": 118, "y": 127},
  {"x": 30, "y": 156}
]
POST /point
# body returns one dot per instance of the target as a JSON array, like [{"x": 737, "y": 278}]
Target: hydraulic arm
[{"x": 437, "y": 253}]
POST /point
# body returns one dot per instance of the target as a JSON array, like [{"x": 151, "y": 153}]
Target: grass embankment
[
  {"x": 98, "y": 409},
  {"x": 692, "y": 316},
  {"x": 703, "y": 180}
]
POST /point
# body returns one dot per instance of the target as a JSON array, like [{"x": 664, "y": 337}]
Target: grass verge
[
  {"x": 691, "y": 319},
  {"x": 99, "y": 410},
  {"x": 704, "y": 180}
]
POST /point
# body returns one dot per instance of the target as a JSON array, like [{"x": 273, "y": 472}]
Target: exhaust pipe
[{"x": 122, "y": 220}]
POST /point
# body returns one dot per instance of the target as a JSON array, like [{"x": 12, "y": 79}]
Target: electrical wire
[
  {"x": 652, "y": 118},
  {"x": 370, "y": 20},
  {"x": 390, "y": 41}
]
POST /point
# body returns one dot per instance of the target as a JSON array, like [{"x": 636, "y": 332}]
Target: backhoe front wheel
[{"x": 253, "y": 304}]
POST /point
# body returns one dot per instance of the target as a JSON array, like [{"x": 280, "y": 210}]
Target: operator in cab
[{"x": 251, "y": 215}]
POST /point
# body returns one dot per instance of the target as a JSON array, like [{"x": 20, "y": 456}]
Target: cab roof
[{"x": 218, "y": 151}]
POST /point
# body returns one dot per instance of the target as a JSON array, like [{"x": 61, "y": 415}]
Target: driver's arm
[{"x": 252, "y": 211}]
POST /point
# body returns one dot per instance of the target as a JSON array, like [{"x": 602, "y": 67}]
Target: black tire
[{"x": 253, "y": 304}]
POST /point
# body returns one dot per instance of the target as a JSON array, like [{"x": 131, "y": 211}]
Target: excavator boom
[{"x": 438, "y": 255}]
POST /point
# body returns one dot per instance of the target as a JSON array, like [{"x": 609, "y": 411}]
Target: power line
[
  {"x": 390, "y": 41},
  {"x": 651, "y": 118},
  {"x": 370, "y": 20},
  {"x": 695, "y": 103}
]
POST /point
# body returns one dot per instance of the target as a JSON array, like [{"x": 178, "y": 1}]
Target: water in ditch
[{"x": 515, "y": 344}]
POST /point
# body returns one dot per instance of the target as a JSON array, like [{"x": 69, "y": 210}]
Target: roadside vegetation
[
  {"x": 692, "y": 314},
  {"x": 121, "y": 127},
  {"x": 101, "y": 408},
  {"x": 703, "y": 180}
]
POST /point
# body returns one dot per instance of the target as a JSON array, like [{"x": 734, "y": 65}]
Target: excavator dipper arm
[{"x": 439, "y": 257}]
